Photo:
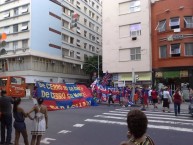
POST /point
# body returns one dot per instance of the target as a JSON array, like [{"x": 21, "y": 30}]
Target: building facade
[
  {"x": 42, "y": 45},
  {"x": 172, "y": 43},
  {"x": 127, "y": 41}
]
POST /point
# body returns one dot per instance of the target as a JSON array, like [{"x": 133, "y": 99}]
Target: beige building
[{"x": 126, "y": 40}]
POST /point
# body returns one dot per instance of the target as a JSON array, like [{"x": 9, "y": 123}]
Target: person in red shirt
[
  {"x": 177, "y": 99},
  {"x": 154, "y": 95}
]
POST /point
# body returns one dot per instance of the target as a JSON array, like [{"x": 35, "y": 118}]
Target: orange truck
[{"x": 15, "y": 86}]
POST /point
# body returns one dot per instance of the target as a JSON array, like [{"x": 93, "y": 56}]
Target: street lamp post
[{"x": 98, "y": 66}]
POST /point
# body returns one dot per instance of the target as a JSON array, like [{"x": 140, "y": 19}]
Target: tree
[{"x": 90, "y": 66}]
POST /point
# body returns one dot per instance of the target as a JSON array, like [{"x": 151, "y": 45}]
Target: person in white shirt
[
  {"x": 167, "y": 99},
  {"x": 149, "y": 96}
]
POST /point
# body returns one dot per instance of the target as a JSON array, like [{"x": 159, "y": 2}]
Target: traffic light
[
  {"x": 136, "y": 78},
  {"x": 3, "y": 37},
  {"x": 74, "y": 20}
]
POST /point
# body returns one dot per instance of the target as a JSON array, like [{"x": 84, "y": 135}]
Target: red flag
[{"x": 106, "y": 78}]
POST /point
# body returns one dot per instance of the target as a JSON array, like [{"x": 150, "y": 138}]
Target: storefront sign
[
  {"x": 175, "y": 37},
  {"x": 171, "y": 74},
  {"x": 184, "y": 73}
]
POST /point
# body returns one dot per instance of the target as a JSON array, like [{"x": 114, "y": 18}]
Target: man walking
[{"x": 6, "y": 117}]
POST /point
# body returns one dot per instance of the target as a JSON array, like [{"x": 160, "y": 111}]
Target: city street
[{"x": 106, "y": 125}]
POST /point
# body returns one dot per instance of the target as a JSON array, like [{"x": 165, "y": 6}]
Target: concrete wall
[
  {"x": 41, "y": 21},
  {"x": 116, "y": 15}
]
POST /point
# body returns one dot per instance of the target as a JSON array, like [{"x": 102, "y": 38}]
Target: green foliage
[{"x": 91, "y": 65}]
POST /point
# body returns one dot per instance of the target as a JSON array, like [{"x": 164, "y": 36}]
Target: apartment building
[
  {"x": 42, "y": 45},
  {"x": 172, "y": 43},
  {"x": 127, "y": 40}
]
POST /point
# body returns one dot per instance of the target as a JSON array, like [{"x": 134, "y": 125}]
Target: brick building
[{"x": 172, "y": 42}]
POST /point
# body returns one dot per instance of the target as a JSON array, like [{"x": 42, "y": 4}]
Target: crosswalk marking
[
  {"x": 155, "y": 114},
  {"x": 156, "y": 120},
  {"x": 149, "y": 120},
  {"x": 148, "y": 116},
  {"x": 149, "y": 125}
]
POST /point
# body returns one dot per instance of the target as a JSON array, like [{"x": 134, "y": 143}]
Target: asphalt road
[{"x": 103, "y": 125}]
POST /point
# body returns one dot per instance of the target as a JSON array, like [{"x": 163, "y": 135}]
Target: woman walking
[
  {"x": 177, "y": 99},
  {"x": 166, "y": 99},
  {"x": 40, "y": 122},
  {"x": 19, "y": 123}
]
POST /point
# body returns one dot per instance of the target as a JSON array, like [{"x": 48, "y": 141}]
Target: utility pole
[
  {"x": 133, "y": 84},
  {"x": 98, "y": 66}
]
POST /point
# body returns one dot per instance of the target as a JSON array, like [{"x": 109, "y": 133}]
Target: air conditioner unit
[
  {"x": 177, "y": 30},
  {"x": 134, "y": 38},
  {"x": 74, "y": 65}
]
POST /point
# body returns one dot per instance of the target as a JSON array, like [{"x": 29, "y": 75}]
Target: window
[
  {"x": 24, "y": 26},
  {"x": 85, "y": 10},
  {"x": 90, "y": 47},
  {"x": 71, "y": 1},
  {"x": 91, "y": 25},
  {"x": 71, "y": 53},
  {"x": 135, "y": 30},
  {"x": 174, "y": 23},
  {"x": 78, "y": 55},
  {"x": 97, "y": 39},
  {"x": 65, "y": 52},
  {"x": 65, "y": 38},
  {"x": 25, "y": 43},
  {"x": 15, "y": 11},
  {"x": 15, "y": 45},
  {"x": 90, "y": 13},
  {"x": 78, "y": 30},
  {"x": 24, "y": 9},
  {"x": 93, "y": 4},
  {"x": 162, "y": 26},
  {"x": 85, "y": 33},
  {"x": 93, "y": 48},
  {"x": 6, "y": 14},
  {"x": 15, "y": 28},
  {"x": 71, "y": 40},
  {"x": 85, "y": 22},
  {"x": 85, "y": 45},
  {"x": 189, "y": 49},
  {"x": 7, "y": 30},
  {"x": 175, "y": 50},
  {"x": 65, "y": 24},
  {"x": 78, "y": 5},
  {"x": 97, "y": 29},
  {"x": 85, "y": 57},
  {"x": 134, "y": 6},
  {"x": 97, "y": 7},
  {"x": 97, "y": 18},
  {"x": 135, "y": 53},
  {"x": 67, "y": 11},
  {"x": 188, "y": 22},
  {"x": 163, "y": 51},
  {"x": 78, "y": 42},
  {"x": 93, "y": 38}
]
